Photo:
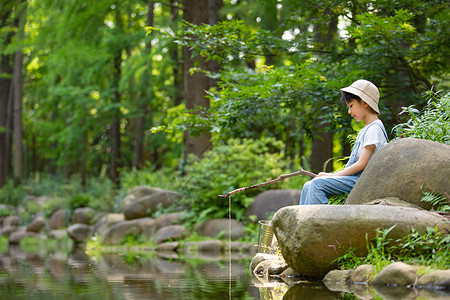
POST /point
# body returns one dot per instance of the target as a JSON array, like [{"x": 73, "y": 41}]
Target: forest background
[{"x": 198, "y": 96}]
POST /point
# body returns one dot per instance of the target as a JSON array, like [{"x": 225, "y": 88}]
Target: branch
[{"x": 282, "y": 177}]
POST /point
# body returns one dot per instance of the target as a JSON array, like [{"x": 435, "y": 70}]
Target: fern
[{"x": 437, "y": 201}]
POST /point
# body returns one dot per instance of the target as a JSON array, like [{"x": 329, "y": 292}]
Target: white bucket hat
[{"x": 365, "y": 90}]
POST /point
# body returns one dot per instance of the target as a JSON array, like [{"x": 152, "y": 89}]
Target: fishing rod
[{"x": 282, "y": 177}]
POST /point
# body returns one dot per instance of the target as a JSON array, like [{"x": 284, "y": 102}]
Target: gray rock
[
  {"x": 148, "y": 226},
  {"x": 58, "y": 219},
  {"x": 395, "y": 168},
  {"x": 57, "y": 234},
  {"x": 106, "y": 222},
  {"x": 338, "y": 280},
  {"x": 83, "y": 215},
  {"x": 259, "y": 257},
  {"x": 7, "y": 230},
  {"x": 210, "y": 246},
  {"x": 169, "y": 219},
  {"x": 147, "y": 205},
  {"x": 397, "y": 274},
  {"x": 172, "y": 232},
  {"x": 36, "y": 225},
  {"x": 303, "y": 231},
  {"x": 138, "y": 192},
  {"x": 169, "y": 246},
  {"x": 80, "y": 233},
  {"x": 270, "y": 267},
  {"x": 17, "y": 236},
  {"x": 115, "y": 234},
  {"x": 218, "y": 227},
  {"x": 363, "y": 274},
  {"x": 237, "y": 247},
  {"x": 268, "y": 202},
  {"x": 435, "y": 280},
  {"x": 11, "y": 221}
]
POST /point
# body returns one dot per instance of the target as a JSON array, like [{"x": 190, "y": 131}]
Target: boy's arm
[{"x": 357, "y": 166}]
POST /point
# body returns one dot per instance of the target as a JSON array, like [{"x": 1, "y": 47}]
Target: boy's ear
[{"x": 365, "y": 104}]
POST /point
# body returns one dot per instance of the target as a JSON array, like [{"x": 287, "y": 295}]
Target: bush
[
  {"x": 12, "y": 195},
  {"x": 238, "y": 163},
  {"x": 432, "y": 123}
]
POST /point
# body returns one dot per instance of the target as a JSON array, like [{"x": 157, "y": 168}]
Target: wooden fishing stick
[{"x": 282, "y": 177}]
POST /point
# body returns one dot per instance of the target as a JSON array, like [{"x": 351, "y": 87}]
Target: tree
[
  {"x": 5, "y": 87},
  {"x": 196, "y": 84},
  {"x": 17, "y": 92}
]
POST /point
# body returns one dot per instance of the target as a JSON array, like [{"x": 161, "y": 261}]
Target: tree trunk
[
  {"x": 322, "y": 142},
  {"x": 5, "y": 97},
  {"x": 115, "y": 120},
  {"x": 195, "y": 85},
  {"x": 138, "y": 160},
  {"x": 17, "y": 92},
  {"x": 175, "y": 53}
]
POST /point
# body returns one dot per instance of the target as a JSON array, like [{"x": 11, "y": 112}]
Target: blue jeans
[{"x": 317, "y": 190}]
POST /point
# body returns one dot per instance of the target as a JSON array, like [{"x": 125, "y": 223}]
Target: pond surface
[{"x": 141, "y": 276}]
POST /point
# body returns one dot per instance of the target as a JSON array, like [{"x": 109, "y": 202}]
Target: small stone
[
  {"x": 396, "y": 274},
  {"x": 438, "y": 279},
  {"x": 363, "y": 274}
]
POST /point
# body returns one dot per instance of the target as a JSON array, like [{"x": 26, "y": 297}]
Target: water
[{"x": 146, "y": 276}]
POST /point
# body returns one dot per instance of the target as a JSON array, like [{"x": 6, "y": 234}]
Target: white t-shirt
[{"x": 373, "y": 136}]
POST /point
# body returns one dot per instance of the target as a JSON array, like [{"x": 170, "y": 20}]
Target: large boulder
[
  {"x": 172, "y": 232},
  {"x": 145, "y": 206},
  {"x": 216, "y": 227},
  {"x": 138, "y": 192},
  {"x": 116, "y": 233},
  {"x": 12, "y": 221},
  {"x": 311, "y": 237},
  {"x": 17, "y": 236},
  {"x": 79, "y": 232},
  {"x": 106, "y": 222},
  {"x": 36, "y": 225},
  {"x": 401, "y": 168},
  {"x": 58, "y": 219},
  {"x": 268, "y": 202},
  {"x": 83, "y": 215}
]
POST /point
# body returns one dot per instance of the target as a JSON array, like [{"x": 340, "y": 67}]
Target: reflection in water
[{"x": 133, "y": 276}]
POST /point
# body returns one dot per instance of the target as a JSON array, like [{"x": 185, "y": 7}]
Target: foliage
[
  {"x": 38, "y": 245},
  {"x": 437, "y": 201},
  {"x": 236, "y": 164},
  {"x": 11, "y": 194},
  {"x": 432, "y": 123},
  {"x": 429, "y": 249},
  {"x": 165, "y": 178},
  {"x": 338, "y": 199},
  {"x": 4, "y": 244}
]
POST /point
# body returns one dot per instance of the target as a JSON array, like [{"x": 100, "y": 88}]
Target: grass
[{"x": 428, "y": 250}]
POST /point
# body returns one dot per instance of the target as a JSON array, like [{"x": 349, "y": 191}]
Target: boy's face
[{"x": 357, "y": 109}]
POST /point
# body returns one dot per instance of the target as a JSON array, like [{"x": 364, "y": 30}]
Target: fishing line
[{"x": 229, "y": 244}]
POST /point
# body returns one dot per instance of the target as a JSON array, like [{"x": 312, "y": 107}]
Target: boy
[{"x": 361, "y": 98}]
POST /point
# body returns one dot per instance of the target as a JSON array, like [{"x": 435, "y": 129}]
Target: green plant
[
  {"x": 11, "y": 194},
  {"x": 5, "y": 212},
  {"x": 81, "y": 200},
  {"x": 237, "y": 163},
  {"x": 338, "y": 199},
  {"x": 432, "y": 123},
  {"x": 429, "y": 249},
  {"x": 3, "y": 244},
  {"x": 437, "y": 201},
  {"x": 430, "y": 246}
]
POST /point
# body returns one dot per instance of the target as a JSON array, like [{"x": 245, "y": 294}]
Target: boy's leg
[
  {"x": 304, "y": 197},
  {"x": 320, "y": 188}
]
